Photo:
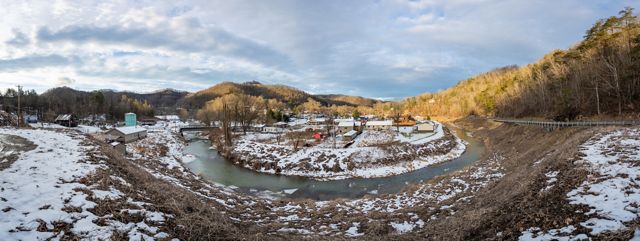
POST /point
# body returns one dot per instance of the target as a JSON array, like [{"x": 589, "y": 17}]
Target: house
[
  {"x": 350, "y": 135},
  {"x": 317, "y": 121},
  {"x": 369, "y": 117},
  {"x": 127, "y": 134},
  {"x": 273, "y": 129},
  {"x": 68, "y": 120},
  {"x": 281, "y": 124},
  {"x": 338, "y": 120},
  {"x": 379, "y": 125},
  {"x": 346, "y": 126},
  {"x": 406, "y": 124},
  {"x": 421, "y": 118},
  {"x": 297, "y": 122},
  {"x": 169, "y": 118},
  {"x": 258, "y": 127},
  {"x": 147, "y": 122},
  {"x": 426, "y": 127},
  {"x": 95, "y": 119}
]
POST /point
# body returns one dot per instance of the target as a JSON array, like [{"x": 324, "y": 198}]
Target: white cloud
[{"x": 384, "y": 48}]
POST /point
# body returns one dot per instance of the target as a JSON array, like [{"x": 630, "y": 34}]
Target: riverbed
[{"x": 215, "y": 168}]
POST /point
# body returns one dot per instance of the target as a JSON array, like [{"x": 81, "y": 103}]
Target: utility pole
[{"x": 19, "y": 111}]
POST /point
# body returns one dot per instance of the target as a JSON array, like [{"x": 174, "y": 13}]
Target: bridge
[
  {"x": 198, "y": 128},
  {"x": 551, "y": 125}
]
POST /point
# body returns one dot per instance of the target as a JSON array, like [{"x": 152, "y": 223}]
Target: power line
[{"x": 19, "y": 111}]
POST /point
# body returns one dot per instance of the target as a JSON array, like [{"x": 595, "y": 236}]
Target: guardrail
[{"x": 557, "y": 124}]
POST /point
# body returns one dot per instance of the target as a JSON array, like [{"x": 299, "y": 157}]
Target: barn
[{"x": 68, "y": 120}]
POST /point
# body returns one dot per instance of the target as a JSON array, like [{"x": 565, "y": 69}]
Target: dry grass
[
  {"x": 508, "y": 206},
  {"x": 515, "y": 203},
  {"x": 195, "y": 218}
]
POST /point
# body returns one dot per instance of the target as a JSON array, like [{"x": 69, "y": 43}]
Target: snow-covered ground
[
  {"x": 307, "y": 217},
  {"x": 611, "y": 191},
  {"x": 66, "y": 155},
  {"x": 46, "y": 125},
  {"x": 88, "y": 129},
  {"x": 44, "y": 189},
  {"x": 364, "y": 159}
]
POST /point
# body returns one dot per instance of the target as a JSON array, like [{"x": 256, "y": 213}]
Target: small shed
[
  {"x": 426, "y": 127},
  {"x": 68, "y": 120},
  {"x": 119, "y": 147},
  {"x": 128, "y": 134}
]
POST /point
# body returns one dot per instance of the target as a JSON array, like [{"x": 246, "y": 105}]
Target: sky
[{"x": 385, "y": 49}]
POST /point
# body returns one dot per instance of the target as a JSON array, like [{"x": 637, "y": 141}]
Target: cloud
[
  {"x": 386, "y": 48},
  {"x": 34, "y": 61},
  {"x": 65, "y": 81},
  {"x": 185, "y": 35},
  {"x": 19, "y": 39}
]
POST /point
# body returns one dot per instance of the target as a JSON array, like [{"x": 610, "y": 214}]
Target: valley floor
[
  {"x": 570, "y": 184},
  {"x": 373, "y": 154}
]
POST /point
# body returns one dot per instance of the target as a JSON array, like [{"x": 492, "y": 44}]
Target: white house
[
  {"x": 317, "y": 121},
  {"x": 297, "y": 122},
  {"x": 258, "y": 127},
  {"x": 127, "y": 134},
  {"x": 172, "y": 118},
  {"x": 273, "y": 129},
  {"x": 338, "y": 120},
  {"x": 426, "y": 127},
  {"x": 407, "y": 129},
  {"x": 379, "y": 125},
  {"x": 281, "y": 124}
]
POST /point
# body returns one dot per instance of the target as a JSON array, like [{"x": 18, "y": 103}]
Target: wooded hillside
[
  {"x": 287, "y": 95},
  {"x": 598, "y": 76}
]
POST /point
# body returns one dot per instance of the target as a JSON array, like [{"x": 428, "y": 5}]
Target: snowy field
[
  {"x": 612, "y": 190},
  {"x": 372, "y": 155},
  {"x": 48, "y": 186},
  {"x": 43, "y": 191}
]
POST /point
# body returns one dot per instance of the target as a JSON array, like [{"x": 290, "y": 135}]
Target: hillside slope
[
  {"x": 285, "y": 94},
  {"x": 165, "y": 97},
  {"x": 598, "y": 76}
]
